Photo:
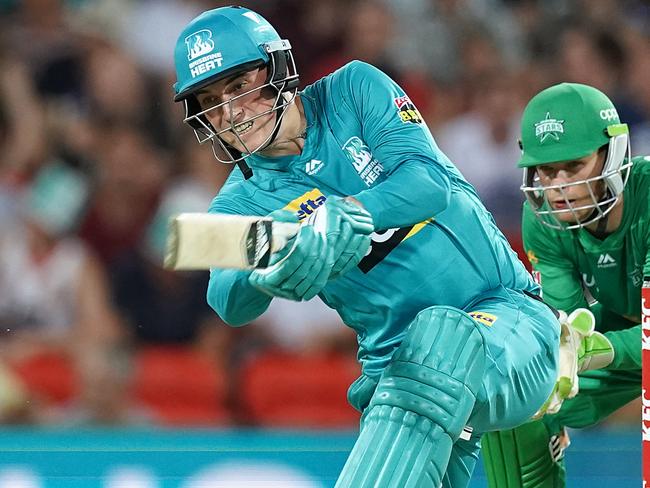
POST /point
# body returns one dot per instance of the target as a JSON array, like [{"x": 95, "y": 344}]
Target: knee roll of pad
[{"x": 437, "y": 370}]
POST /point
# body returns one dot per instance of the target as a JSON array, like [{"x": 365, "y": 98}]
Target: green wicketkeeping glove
[
  {"x": 581, "y": 349},
  {"x": 593, "y": 349}
]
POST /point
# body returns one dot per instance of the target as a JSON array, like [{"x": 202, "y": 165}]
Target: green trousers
[{"x": 528, "y": 456}]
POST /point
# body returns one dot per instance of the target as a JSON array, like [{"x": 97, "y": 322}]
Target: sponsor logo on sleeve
[{"x": 407, "y": 111}]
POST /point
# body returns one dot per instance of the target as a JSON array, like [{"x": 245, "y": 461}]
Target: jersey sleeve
[
  {"x": 229, "y": 293},
  {"x": 627, "y": 348},
  {"x": 417, "y": 184},
  {"x": 559, "y": 277},
  {"x": 626, "y": 342}
]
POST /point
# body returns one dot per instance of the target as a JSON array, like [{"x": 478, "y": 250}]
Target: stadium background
[{"x": 125, "y": 377}]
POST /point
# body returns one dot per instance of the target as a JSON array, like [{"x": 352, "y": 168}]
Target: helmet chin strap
[
  {"x": 278, "y": 122},
  {"x": 244, "y": 168}
]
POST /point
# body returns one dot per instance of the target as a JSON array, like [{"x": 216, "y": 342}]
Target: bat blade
[{"x": 210, "y": 240}]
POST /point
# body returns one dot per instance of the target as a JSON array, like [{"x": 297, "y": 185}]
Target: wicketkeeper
[{"x": 586, "y": 229}]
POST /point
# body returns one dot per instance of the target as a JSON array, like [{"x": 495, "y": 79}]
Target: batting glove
[
  {"x": 347, "y": 228},
  {"x": 301, "y": 269}
]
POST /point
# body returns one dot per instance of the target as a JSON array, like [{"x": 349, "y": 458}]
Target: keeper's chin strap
[{"x": 601, "y": 228}]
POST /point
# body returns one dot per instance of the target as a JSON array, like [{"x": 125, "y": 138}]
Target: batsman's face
[
  {"x": 573, "y": 187},
  {"x": 240, "y": 108}
]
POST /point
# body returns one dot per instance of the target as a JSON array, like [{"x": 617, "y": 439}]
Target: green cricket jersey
[{"x": 573, "y": 266}]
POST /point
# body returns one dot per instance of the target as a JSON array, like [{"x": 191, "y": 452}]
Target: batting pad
[{"x": 421, "y": 404}]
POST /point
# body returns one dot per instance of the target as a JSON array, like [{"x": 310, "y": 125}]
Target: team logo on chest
[{"x": 362, "y": 160}]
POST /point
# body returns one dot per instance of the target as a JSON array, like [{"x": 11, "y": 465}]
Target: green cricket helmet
[
  {"x": 567, "y": 122},
  {"x": 223, "y": 42}
]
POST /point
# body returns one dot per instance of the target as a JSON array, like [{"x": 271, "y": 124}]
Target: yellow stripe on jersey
[{"x": 417, "y": 228}]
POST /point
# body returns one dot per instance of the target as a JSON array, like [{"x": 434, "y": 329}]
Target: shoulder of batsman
[{"x": 352, "y": 71}]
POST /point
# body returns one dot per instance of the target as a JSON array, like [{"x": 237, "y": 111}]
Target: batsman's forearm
[
  {"x": 627, "y": 348},
  {"x": 234, "y": 299},
  {"x": 412, "y": 193}
]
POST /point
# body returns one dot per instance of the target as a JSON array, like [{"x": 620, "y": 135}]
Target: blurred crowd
[{"x": 94, "y": 159}]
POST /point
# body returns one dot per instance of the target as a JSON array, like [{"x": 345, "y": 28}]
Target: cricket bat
[{"x": 211, "y": 240}]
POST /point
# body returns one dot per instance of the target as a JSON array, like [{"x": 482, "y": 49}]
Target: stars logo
[{"x": 549, "y": 127}]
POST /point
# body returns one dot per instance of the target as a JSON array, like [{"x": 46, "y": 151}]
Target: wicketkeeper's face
[
  {"x": 573, "y": 187},
  {"x": 240, "y": 108}
]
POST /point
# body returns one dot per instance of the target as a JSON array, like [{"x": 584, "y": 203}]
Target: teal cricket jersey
[{"x": 435, "y": 243}]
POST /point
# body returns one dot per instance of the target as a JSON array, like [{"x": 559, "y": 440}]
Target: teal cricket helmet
[{"x": 223, "y": 42}]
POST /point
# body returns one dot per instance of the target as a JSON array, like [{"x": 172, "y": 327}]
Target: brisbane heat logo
[
  {"x": 407, "y": 111},
  {"x": 199, "y": 44},
  {"x": 368, "y": 168},
  {"x": 199, "y": 52}
]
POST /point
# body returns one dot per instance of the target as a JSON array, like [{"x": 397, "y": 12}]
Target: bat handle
[{"x": 282, "y": 232}]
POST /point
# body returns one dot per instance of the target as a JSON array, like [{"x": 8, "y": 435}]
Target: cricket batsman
[
  {"x": 586, "y": 230},
  {"x": 454, "y": 339}
]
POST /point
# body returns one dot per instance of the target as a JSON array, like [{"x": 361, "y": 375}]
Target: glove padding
[
  {"x": 300, "y": 270},
  {"x": 347, "y": 227},
  {"x": 581, "y": 349}
]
